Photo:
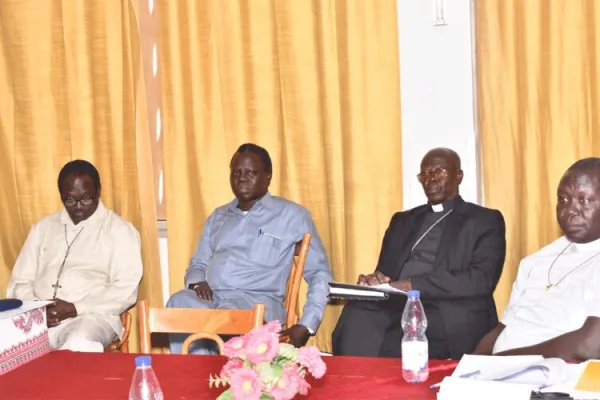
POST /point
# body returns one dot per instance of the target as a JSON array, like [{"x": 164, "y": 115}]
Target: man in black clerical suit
[{"x": 451, "y": 251}]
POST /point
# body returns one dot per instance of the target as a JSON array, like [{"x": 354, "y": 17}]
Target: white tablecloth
[{"x": 23, "y": 335}]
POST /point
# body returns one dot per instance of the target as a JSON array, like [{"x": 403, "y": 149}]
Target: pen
[
  {"x": 463, "y": 376},
  {"x": 549, "y": 395}
]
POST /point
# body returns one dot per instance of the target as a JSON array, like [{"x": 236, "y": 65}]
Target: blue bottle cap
[
  {"x": 143, "y": 361},
  {"x": 413, "y": 294}
]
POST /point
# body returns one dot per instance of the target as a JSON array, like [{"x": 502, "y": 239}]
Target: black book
[{"x": 347, "y": 291}]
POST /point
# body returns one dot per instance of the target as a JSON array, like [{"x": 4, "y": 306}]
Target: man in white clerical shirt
[
  {"x": 554, "y": 308},
  {"x": 86, "y": 259}
]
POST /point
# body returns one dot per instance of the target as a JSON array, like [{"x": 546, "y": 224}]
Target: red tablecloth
[{"x": 65, "y": 375}]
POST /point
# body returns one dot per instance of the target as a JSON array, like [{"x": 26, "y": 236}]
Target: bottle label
[{"x": 415, "y": 355}]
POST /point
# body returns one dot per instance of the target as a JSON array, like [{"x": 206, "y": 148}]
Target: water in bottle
[
  {"x": 415, "y": 352},
  {"x": 144, "y": 385}
]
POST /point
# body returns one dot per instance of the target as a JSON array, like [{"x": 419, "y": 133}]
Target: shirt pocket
[{"x": 266, "y": 250}]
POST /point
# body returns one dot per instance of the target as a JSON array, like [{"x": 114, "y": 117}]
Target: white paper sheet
[
  {"x": 471, "y": 389},
  {"x": 363, "y": 291},
  {"x": 469, "y": 363},
  {"x": 336, "y": 291},
  {"x": 531, "y": 372},
  {"x": 389, "y": 289}
]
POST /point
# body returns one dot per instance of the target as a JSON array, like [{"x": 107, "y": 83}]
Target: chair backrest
[
  {"x": 190, "y": 320},
  {"x": 293, "y": 285},
  {"x": 185, "y": 346}
]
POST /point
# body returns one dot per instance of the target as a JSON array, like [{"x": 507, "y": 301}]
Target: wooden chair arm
[
  {"x": 185, "y": 347},
  {"x": 122, "y": 344}
]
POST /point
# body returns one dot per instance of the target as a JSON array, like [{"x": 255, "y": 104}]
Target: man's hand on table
[
  {"x": 298, "y": 335},
  {"x": 59, "y": 311},
  {"x": 203, "y": 291},
  {"x": 378, "y": 278}
]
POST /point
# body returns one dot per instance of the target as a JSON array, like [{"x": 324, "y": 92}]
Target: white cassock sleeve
[
  {"x": 25, "y": 269},
  {"x": 593, "y": 304},
  {"x": 126, "y": 271},
  {"x": 515, "y": 295}
]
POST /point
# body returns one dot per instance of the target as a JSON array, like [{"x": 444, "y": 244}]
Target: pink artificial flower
[
  {"x": 230, "y": 367},
  {"x": 271, "y": 327},
  {"x": 311, "y": 359},
  {"x": 303, "y": 387},
  {"x": 234, "y": 347},
  {"x": 287, "y": 385},
  {"x": 261, "y": 346},
  {"x": 245, "y": 384}
]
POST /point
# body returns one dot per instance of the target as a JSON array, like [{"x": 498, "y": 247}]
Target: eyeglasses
[
  {"x": 438, "y": 174},
  {"x": 84, "y": 201}
]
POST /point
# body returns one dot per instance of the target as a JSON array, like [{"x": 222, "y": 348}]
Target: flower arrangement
[{"x": 261, "y": 368}]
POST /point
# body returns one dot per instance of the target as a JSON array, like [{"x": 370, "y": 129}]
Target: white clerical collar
[
  {"x": 437, "y": 207},
  {"x": 585, "y": 247},
  {"x": 98, "y": 215}
]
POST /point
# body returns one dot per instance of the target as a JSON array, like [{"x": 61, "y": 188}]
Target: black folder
[{"x": 347, "y": 291}]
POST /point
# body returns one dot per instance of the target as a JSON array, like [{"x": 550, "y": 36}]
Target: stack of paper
[
  {"x": 472, "y": 389},
  {"x": 346, "y": 291},
  {"x": 511, "y": 377}
]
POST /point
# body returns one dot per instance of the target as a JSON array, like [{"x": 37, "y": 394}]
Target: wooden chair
[
  {"x": 122, "y": 344},
  {"x": 185, "y": 347},
  {"x": 189, "y": 320},
  {"x": 294, "y": 281}
]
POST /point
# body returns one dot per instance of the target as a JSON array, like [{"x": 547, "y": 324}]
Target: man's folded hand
[
  {"x": 203, "y": 291},
  {"x": 405, "y": 285},
  {"x": 376, "y": 278},
  {"x": 59, "y": 311}
]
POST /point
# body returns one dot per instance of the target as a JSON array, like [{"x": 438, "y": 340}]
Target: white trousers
[{"x": 87, "y": 333}]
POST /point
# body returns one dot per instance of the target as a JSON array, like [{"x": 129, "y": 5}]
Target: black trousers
[{"x": 373, "y": 329}]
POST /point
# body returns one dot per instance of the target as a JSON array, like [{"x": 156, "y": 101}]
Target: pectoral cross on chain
[{"x": 56, "y": 286}]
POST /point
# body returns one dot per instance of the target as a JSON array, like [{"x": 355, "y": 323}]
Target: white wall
[
  {"x": 164, "y": 258},
  {"x": 436, "y": 90}
]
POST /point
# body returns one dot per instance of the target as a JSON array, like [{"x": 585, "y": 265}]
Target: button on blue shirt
[{"x": 249, "y": 254}]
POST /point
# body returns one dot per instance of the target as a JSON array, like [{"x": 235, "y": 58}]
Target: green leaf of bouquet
[
  {"x": 265, "y": 397},
  {"x": 265, "y": 370},
  {"x": 226, "y": 395},
  {"x": 277, "y": 370},
  {"x": 288, "y": 351}
]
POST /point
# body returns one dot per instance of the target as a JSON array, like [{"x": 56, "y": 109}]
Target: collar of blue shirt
[{"x": 266, "y": 201}]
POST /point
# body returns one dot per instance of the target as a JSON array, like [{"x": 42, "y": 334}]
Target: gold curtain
[
  {"x": 538, "y": 78},
  {"x": 317, "y": 84},
  {"x": 71, "y": 87}
]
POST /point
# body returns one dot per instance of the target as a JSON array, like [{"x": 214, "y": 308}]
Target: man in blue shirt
[{"x": 245, "y": 254}]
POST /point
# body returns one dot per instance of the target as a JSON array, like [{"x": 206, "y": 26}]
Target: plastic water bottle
[
  {"x": 144, "y": 385},
  {"x": 415, "y": 351}
]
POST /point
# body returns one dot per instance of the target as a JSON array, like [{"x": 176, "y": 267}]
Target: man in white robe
[
  {"x": 86, "y": 259},
  {"x": 554, "y": 308}
]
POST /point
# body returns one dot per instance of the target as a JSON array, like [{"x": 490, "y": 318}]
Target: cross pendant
[
  {"x": 57, "y": 286},
  {"x": 548, "y": 287}
]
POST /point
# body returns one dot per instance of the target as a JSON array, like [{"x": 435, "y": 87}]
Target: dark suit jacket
[{"x": 467, "y": 268}]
